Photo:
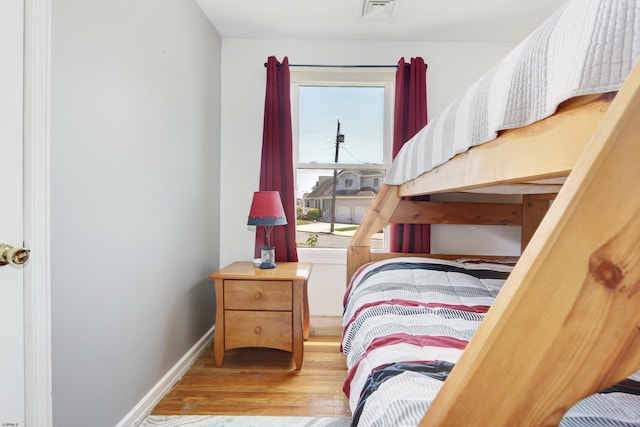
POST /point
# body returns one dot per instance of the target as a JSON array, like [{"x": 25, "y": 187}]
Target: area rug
[{"x": 242, "y": 421}]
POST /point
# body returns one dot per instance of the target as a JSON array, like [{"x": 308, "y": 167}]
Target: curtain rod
[{"x": 339, "y": 66}]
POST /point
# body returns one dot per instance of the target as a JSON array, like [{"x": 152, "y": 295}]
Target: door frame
[{"x": 37, "y": 231}]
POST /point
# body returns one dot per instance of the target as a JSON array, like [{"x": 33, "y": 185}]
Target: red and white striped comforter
[{"x": 407, "y": 321}]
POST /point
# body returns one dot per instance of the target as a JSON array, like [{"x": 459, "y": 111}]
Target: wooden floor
[{"x": 263, "y": 382}]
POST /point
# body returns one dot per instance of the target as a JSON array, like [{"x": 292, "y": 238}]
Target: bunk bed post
[
  {"x": 565, "y": 324},
  {"x": 376, "y": 218},
  {"x": 534, "y": 208}
]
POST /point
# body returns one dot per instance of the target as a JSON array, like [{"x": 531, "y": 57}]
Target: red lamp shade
[{"x": 266, "y": 209}]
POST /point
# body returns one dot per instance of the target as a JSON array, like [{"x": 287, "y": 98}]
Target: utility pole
[{"x": 339, "y": 140}]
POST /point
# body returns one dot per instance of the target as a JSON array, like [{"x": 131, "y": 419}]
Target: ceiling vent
[{"x": 378, "y": 10}]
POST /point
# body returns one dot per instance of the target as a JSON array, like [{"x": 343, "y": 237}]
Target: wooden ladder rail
[{"x": 567, "y": 322}]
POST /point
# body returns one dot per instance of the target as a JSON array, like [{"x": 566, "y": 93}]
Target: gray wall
[{"x": 134, "y": 198}]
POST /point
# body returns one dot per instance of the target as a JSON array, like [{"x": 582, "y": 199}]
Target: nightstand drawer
[
  {"x": 271, "y": 329},
  {"x": 276, "y": 295}
]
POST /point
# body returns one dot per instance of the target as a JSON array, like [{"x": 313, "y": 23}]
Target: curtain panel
[
  {"x": 410, "y": 115},
  {"x": 276, "y": 167}
]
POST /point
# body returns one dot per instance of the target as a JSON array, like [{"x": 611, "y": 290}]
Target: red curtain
[
  {"x": 276, "y": 168},
  {"x": 410, "y": 115}
]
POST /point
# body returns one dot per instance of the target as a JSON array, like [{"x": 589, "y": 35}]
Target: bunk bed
[{"x": 552, "y": 336}]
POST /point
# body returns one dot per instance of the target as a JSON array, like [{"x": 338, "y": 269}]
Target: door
[{"x": 12, "y": 389}]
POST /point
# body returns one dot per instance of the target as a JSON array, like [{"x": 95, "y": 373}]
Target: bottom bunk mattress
[{"x": 406, "y": 322}]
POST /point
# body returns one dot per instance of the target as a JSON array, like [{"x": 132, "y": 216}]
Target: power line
[{"x": 352, "y": 155}]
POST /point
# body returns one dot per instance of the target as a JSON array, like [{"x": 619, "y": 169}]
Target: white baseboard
[{"x": 153, "y": 397}]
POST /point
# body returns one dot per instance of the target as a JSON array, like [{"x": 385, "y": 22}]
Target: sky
[{"x": 360, "y": 111}]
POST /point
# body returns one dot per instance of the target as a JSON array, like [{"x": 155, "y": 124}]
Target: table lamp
[{"x": 267, "y": 211}]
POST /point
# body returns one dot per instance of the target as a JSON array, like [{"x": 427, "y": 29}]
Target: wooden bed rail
[
  {"x": 550, "y": 146},
  {"x": 567, "y": 322},
  {"x": 389, "y": 208}
]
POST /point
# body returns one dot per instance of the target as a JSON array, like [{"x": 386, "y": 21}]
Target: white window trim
[
  {"x": 382, "y": 77},
  {"x": 308, "y": 76},
  {"x": 335, "y": 256}
]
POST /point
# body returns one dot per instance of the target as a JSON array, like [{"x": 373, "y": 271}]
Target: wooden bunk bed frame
[{"x": 580, "y": 267}]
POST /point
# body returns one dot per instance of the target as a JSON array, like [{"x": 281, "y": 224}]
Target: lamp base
[
  {"x": 267, "y": 265},
  {"x": 268, "y": 257}
]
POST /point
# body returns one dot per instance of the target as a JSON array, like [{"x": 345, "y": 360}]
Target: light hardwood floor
[{"x": 264, "y": 382}]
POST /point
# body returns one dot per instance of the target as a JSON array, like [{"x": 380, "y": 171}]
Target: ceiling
[{"x": 411, "y": 20}]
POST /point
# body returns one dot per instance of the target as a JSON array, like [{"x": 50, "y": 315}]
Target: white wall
[
  {"x": 452, "y": 67},
  {"x": 134, "y": 198}
]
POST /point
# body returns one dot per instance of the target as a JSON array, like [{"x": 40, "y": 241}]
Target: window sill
[{"x": 336, "y": 256}]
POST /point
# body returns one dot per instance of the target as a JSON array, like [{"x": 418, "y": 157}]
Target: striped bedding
[
  {"x": 586, "y": 47},
  {"x": 407, "y": 321}
]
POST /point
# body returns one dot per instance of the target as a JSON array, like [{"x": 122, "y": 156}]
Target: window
[{"x": 342, "y": 132}]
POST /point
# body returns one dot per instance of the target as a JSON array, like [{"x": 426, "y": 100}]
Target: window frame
[{"x": 345, "y": 77}]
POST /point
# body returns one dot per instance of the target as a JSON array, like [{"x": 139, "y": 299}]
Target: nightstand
[{"x": 262, "y": 308}]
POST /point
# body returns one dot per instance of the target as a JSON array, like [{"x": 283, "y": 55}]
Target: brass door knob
[{"x": 13, "y": 256}]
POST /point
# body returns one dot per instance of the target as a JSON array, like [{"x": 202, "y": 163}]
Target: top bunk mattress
[{"x": 586, "y": 47}]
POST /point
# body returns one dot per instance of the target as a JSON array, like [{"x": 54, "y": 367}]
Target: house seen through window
[{"x": 342, "y": 140}]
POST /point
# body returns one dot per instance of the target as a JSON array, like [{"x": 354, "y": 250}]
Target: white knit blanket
[{"x": 586, "y": 47}]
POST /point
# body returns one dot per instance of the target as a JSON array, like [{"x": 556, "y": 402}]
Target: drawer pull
[
  {"x": 258, "y": 330},
  {"x": 258, "y": 295}
]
